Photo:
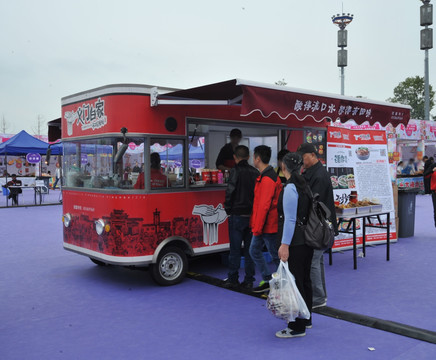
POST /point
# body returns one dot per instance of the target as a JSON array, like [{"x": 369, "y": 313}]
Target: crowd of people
[
  {"x": 427, "y": 168},
  {"x": 269, "y": 207},
  {"x": 414, "y": 167}
]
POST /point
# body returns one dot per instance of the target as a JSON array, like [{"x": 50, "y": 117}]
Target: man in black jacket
[
  {"x": 319, "y": 181},
  {"x": 239, "y": 204}
]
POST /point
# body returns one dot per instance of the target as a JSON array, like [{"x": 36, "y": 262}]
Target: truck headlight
[
  {"x": 101, "y": 226},
  {"x": 66, "y": 219}
]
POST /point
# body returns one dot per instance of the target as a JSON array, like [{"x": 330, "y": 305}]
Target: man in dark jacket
[
  {"x": 431, "y": 175},
  {"x": 238, "y": 205},
  {"x": 427, "y": 174},
  {"x": 319, "y": 181},
  {"x": 13, "y": 192},
  {"x": 264, "y": 219}
]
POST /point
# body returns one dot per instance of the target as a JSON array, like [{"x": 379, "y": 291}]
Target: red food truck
[{"x": 139, "y": 185}]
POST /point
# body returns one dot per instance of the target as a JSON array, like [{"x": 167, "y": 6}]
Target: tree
[
  {"x": 37, "y": 129},
  {"x": 411, "y": 92},
  {"x": 4, "y": 125}
]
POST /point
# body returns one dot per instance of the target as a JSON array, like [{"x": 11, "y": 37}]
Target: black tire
[
  {"x": 98, "y": 262},
  {"x": 171, "y": 266}
]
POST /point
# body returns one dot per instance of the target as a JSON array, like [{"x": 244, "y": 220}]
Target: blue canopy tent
[
  {"x": 57, "y": 148},
  {"x": 175, "y": 153},
  {"x": 71, "y": 148},
  {"x": 22, "y": 144}
]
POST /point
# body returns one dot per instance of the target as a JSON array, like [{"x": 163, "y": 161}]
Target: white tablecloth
[{"x": 29, "y": 181}]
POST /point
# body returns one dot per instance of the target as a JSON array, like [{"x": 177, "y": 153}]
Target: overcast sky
[{"x": 51, "y": 49}]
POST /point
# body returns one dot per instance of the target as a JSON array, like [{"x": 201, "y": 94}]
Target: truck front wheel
[{"x": 171, "y": 266}]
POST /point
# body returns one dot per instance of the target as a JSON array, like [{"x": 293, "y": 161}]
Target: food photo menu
[{"x": 357, "y": 161}]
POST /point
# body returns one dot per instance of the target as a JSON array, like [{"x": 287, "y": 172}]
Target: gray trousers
[{"x": 317, "y": 276}]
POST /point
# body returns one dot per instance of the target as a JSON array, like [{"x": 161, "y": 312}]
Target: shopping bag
[{"x": 284, "y": 300}]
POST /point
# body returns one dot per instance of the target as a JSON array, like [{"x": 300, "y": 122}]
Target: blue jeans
[
  {"x": 256, "y": 252},
  {"x": 239, "y": 232},
  {"x": 56, "y": 182}
]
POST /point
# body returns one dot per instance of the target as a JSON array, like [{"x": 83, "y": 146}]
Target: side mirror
[
  {"x": 123, "y": 148},
  {"x": 121, "y": 151}
]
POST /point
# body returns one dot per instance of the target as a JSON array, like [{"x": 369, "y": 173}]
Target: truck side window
[
  {"x": 91, "y": 164},
  {"x": 166, "y": 163}
]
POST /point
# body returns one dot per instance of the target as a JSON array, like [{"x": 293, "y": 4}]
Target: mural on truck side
[
  {"x": 130, "y": 236},
  {"x": 211, "y": 217}
]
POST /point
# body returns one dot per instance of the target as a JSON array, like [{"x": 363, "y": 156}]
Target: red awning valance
[
  {"x": 310, "y": 105},
  {"x": 295, "y": 104}
]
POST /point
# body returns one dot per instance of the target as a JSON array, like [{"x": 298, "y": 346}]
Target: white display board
[{"x": 357, "y": 160}]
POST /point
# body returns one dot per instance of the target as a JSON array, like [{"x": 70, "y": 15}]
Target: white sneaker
[{"x": 289, "y": 333}]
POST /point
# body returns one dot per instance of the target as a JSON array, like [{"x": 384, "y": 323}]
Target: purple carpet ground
[{"x": 58, "y": 305}]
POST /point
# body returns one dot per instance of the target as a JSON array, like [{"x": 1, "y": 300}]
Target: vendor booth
[
  {"x": 112, "y": 217},
  {"x": 23, "y": 155},
  {"x": 13, "y": 155}
]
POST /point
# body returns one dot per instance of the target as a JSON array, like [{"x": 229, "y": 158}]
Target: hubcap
[{"x": 171, "y": 266}]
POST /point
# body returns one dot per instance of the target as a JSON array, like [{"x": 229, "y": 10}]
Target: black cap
[
  {"x": 236, "y": 133},
  {"x": 307, "y": 148},
  {"x": 13, "y": 175}
]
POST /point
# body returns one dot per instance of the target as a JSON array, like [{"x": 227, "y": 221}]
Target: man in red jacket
[{"x": 264, "y": 218}]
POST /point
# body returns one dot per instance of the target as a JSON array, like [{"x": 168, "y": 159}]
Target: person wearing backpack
[
  {"x": 293, "y": 209},
  {"x": 319, "y": 182}
]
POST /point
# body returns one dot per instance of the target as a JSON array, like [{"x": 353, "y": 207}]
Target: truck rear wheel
[
  {"x": 171, "y": 266},
  {"x": 98, "y": 262}
]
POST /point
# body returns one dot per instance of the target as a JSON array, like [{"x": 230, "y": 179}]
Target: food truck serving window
[
  {"x": 95, "y": 164},
  {"x": 206, "y": 140}
]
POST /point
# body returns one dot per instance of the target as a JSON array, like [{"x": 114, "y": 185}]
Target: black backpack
[{"x": 318, "y": 231}]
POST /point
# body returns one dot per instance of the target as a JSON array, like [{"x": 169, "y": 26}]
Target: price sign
[{"x": 33, "y": 158}]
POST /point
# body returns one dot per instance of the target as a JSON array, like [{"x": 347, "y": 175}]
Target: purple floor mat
[{"x": 58, "y": 305}]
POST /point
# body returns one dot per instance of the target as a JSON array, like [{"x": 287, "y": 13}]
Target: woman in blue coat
[{"x": 293, "y": 208}]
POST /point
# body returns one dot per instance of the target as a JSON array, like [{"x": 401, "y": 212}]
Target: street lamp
[
  {"x": 426, "y": 12},
  {"x": 342, "y": 21}
]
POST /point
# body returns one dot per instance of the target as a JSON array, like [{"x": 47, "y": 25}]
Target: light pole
[
  {"x": 342, "y": 21},
  {"x": 426, "y": 12}
]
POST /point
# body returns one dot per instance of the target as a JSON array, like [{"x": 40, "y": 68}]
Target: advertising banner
[
  {"x": 430, "y": 130},
  {"x": 357, "y": 160}
]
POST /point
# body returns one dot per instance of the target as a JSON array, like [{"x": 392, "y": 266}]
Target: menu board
[
  {"x": 318, "y": 139},
  {"x": 357, "y": 160}
]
